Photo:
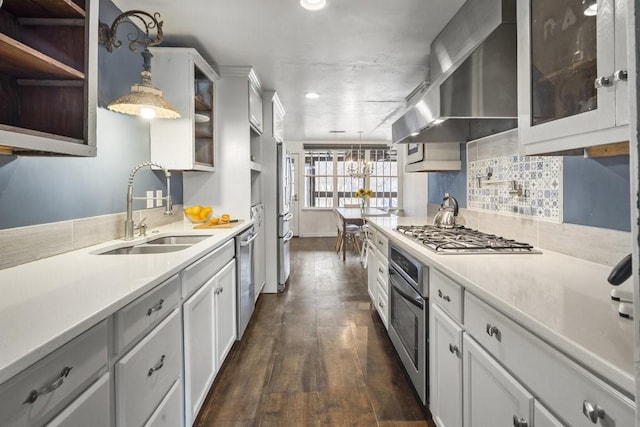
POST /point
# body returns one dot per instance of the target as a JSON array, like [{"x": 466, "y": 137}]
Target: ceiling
[{"x": 362, "y": 56}]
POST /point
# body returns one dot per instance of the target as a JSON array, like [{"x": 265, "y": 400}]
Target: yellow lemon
[
  {"x": 225, "y": 217},
  {"x": 214, "y": 220},
  {"x": 188, "y": 210},
  {"x": 195, "y": 210}
]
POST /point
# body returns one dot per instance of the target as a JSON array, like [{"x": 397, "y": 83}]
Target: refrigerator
[{"x": 285, "y": 234}]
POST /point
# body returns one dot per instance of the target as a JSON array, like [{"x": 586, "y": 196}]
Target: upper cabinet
[
  {"x": 188, "y": 83},
  {"x": 48, "y": 76},
  {"x": 255, "y": 104},
  {"x": 278, "y": 120},
  {"x": 572, "y": 83}
]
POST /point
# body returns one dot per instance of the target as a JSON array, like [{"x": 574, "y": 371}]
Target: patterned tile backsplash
[{"x": 539, "y": 180}]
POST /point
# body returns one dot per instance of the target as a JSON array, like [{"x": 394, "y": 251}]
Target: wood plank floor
[{"x": 314, "y": 355}]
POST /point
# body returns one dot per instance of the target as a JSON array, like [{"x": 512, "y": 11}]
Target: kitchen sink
[
  {"x": 145, "y": 249},
  {"x": 177, "y": 240}
]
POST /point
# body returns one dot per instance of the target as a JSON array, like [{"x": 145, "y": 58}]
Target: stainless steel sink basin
[
  {"x": 145, "y": 249},
  {"x": 177, "y": 240}
]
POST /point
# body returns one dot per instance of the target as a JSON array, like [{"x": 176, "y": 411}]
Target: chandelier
[{"x": 359, "y": 167}]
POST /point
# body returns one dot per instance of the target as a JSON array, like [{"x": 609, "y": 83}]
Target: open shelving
[{"x": 44, "y": 74}]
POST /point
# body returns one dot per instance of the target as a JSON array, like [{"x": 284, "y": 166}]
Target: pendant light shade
[{"x": 145, "y": 100}]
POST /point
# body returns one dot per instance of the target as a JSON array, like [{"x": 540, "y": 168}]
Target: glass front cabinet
[
  {"x": 572, "y": 78},
  {"x": 187, "y": 83}
]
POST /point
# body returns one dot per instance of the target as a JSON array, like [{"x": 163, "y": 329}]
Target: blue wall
[
  {"x": 595, "y": 191},
  {"x": 453, "y": 182},
  {"x": 38, "y": 190}
]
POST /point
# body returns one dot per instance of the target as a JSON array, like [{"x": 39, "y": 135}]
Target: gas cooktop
[{"x": 461, "y": 240}]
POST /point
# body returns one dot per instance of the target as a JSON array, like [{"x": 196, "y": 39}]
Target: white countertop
[
  {"x": 561, "y": 299},
  {"x": 45, "y": 303}
]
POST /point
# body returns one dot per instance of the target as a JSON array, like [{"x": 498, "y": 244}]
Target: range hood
[{"x": 474, "y": 79}]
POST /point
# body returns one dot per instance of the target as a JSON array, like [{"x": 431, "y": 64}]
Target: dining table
[{"x": 356, "y": 216}]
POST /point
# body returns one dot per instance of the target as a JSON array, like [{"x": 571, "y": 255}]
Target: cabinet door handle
[
  {"x": 493, "y": 331},
  {"x": 620, "y": 76},
  {"x": 381, "y": 271},
  {"x": 519, "y": 422},
  {"x": 157, "y": 367},
  {"x": 592, "y": 411},
  {"x": 156, "y": 307},
  {"x": 454, "y": 349},
  {"x": 53, "y": 385},
  {"x": 380, "y": 305},
  {"x": 445, "y": 297},
  {"x": 221, "y": 289},
  {"x": 602, "y": 81}
]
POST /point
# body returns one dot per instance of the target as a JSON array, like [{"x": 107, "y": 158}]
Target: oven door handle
[{"x": 417, "y": 301}]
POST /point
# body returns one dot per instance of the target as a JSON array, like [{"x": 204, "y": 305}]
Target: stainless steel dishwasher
[{"x": 245, "y": 279}]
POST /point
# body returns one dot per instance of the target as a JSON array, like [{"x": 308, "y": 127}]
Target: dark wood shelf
[
  {"x": 22, "y": 61},
  {"x": 44, "y": 8}
]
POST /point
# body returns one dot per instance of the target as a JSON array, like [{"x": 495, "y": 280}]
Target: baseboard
[{"x": 322, "y": 234}]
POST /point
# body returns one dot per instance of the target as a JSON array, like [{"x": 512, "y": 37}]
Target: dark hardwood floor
[{"x": 314, "y": 355}]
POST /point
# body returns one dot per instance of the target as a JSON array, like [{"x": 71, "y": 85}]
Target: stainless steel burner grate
[{"x": 462, "y": 240}]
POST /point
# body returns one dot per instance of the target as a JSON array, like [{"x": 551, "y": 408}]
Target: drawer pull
[
  {"x": 592, "y": 411},
  {"x": 493, "y": 331},
  {"x": 380, "y": 305},
  {"x": 519, "y": 422},
  {"x": 156, "y": 307},
  {"x": 158, "y": 366},
  {"x": 34, "y": 394},
  {"x": 454, "y": 349},
  {"x": 445, "y": 297},
  {"x": 381, "y": 271}
]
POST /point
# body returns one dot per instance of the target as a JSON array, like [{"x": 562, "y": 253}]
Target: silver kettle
[{"x": 446, "y": 216}]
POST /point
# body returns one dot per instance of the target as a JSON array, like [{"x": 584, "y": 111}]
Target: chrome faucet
[{"x": 128, "y": 224}]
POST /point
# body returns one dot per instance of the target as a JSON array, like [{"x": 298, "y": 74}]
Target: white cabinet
[
  {"x": 209, "y": 333},
  {"x": 543, "y": 418},
  {"x": 278, "y": 120},
  {"x": 255, "y": 106},
  {"x": 199, "y": 348},
  {"x": 492, "y": 397},
  {"x": 572, "y": 89},
  {"x": 382, "y": 304},
  {"x": 33, "y": 396},
  {"x": 169, "y": 412},
  {"x": 91, "y": 408},
  {"x": 188, "y": 83},
  {"x": 225, "y": 311},
  {"x": 445, "y": 369},
  {"x": 372, "y": 272},
  {"x": 146, "y": 373}
]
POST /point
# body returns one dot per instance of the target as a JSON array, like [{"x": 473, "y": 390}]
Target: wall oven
[{"x": 408, "y": 314}]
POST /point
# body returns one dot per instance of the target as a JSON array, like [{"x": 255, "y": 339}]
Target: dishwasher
[{"x": 245, "y": 279}]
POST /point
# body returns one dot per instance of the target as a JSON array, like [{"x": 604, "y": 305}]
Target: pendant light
[{"x": 144, "y": 100}]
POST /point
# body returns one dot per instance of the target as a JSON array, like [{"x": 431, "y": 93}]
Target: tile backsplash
[
  {"x": 517, "y": 185},
  {"x": 500, "y": 180}
]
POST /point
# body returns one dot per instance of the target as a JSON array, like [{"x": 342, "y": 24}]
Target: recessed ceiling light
[
  {"x": 313, "y": 4},
  {"x": 312, "y": 95},
  {"x": 337, "y": 131}
]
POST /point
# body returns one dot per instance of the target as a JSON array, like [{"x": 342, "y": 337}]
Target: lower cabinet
[
  {"x": 147, "y": 372},
  {"x": 91, "y": 408},
  {"x": 169, "y": 413},
  {"x": 492, "y": 397},
  {"x": 445, "y": 369},
  {"x": 543, "y": 418},
  {"x": 209, "y": 333},
  {"x": 225, "y": 311},
  {"x": 372, "y": 268},
  {"x": 199, "y": 348}
]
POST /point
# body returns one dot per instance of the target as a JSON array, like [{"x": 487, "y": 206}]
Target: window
[{"x": 327, "y": 182}]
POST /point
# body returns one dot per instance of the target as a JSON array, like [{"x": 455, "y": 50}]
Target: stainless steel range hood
[{"x": 473, "y": 69}]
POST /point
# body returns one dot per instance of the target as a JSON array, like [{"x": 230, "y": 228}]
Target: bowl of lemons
[{"x": 198, "y": 214}]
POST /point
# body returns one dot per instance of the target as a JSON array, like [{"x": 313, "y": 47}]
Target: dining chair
[{"x": 351, "y": 234}]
